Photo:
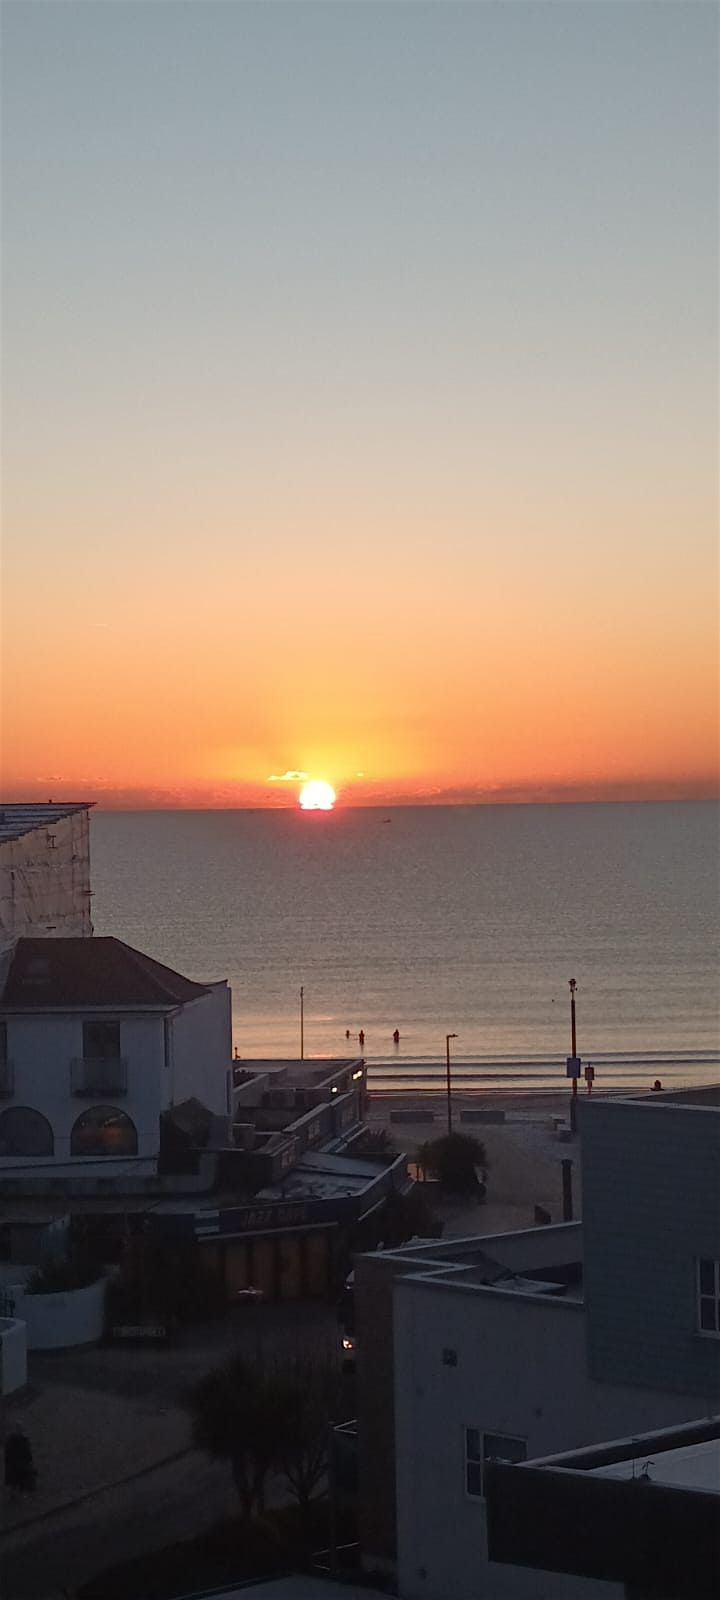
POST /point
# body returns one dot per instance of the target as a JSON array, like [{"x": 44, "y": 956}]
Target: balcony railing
[
  {"x": 7, "y": 1077},
  {"x": 98, "y": 1075}
]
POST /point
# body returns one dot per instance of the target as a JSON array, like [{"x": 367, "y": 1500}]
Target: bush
[{"x": 453, "y": 1160}]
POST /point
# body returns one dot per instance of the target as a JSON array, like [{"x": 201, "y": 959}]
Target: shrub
[{"x": 453, "y": 1160}]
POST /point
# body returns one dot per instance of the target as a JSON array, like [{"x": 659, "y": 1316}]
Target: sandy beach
[{"x": 524, "y": 1152}]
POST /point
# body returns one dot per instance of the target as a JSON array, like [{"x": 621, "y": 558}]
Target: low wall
[
  {"x": 58, "y": 1321},
  {"x": 13, "y": 1355}
]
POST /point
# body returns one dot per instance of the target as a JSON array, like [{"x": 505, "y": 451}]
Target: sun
[{"x": 317, "y": 796}]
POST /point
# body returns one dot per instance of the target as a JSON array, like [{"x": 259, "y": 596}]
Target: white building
[
  {"x": 97, "y": 1040},
  {"x": 519, "y": 1346},
  {"x": 44, "y": 870}
]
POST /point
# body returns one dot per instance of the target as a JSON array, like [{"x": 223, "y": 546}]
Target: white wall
[
  {"x": 521, "y": 1369},
  {"x": 58, "y": 1321},
  {"x": 13, "y": 1355},
  {"x": 200, "y": 1051},
  {"x": 42, "y": 1049},
  {"x": 44, "y": 887}
]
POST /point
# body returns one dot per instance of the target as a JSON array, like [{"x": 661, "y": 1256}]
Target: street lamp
[{"x": 448, "y": 1037}]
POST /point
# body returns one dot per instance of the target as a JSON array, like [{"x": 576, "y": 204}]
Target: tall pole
[
  {"x": 302, "y": 1023},
  {"x": 573, "y": 1036},
  {"x": 448, "y": 1037}
]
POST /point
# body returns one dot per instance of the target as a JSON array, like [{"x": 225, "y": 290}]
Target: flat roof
[
  {"x": 325, "y": 1177},
  {"x": 17, "y": 820},
  {"x": 692, "y": 1466},
  {"x": 700, "y": 1097},
  {"x": 296, "y": 1072}
]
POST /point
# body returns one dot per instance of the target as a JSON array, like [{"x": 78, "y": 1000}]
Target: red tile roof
[{"x": 44, "y": 974}]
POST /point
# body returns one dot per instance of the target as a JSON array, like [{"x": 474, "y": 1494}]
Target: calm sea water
[{"x": 466, "y": 920}]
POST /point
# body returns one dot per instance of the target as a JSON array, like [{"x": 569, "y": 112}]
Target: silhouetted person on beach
[
  {"x": 396, "y": 1036},
  {"x": 361, "y": 1038}
]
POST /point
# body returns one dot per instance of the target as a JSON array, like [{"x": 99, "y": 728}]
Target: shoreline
[{"x": 530, "y": 1099}]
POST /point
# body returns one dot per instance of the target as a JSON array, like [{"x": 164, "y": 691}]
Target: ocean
[{"x": 467, "y": 920}]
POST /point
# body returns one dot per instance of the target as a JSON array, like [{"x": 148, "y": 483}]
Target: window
[
  {"x": 708, "y": 1295},
  {"x": 101, "y": 1041},
  {"x": 3, "y": 1041},
  {"x": 24, "y": 1132},
  {"x": 481, "y": 1447},
  {"x": 104, "y": 1131}
]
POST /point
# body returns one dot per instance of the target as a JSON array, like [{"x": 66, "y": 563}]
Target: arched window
[
  {"x": 104, "y": 1131},
  {"x": 24, "y": 1132}
]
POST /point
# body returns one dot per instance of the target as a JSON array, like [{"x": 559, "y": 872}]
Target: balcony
[
  {"x": 96, "y": 1076},
  {"x": 7, "y": 1077}
]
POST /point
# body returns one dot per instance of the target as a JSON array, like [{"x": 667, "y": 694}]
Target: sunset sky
[{"x": 359, "y": 401}]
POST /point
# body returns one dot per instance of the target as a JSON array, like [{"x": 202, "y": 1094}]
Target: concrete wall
[
  {"x": 651, "y": 1207},
  {"x": 42, "y": 1049},
  {"x": 531, "y": 1249},
  {"x": 44, "y": 886},
  {"x": 13, "y": 1355},
  {"x": 200, "y": 1052},
  {"x": 520, "y": 1368},
  {"x": 59, "y": 1321}
]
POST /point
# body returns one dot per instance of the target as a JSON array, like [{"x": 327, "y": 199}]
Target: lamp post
[
  {"x": 574, "y": 1057},
  {"x": 302, "y": 1023},
  {"x": 448, "y": 1037}
]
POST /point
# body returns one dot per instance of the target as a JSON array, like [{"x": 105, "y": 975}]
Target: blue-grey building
[{"x": 651, "y": 1226}]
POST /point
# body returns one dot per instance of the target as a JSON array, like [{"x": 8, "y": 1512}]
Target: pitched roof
[
  {"x": 44, "y": 974},
  {"x": 16, "y": 820}
]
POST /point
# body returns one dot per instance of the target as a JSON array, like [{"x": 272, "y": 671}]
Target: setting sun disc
[{"x": 317, "y": 796}]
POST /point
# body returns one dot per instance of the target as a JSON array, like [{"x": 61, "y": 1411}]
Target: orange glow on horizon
[{"x": 485, "y": 697}]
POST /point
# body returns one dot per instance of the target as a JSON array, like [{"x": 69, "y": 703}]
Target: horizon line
[{"x": 97, "y": 803}]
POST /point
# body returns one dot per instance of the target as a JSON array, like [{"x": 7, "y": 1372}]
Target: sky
[{"x": 359, "y": 385}]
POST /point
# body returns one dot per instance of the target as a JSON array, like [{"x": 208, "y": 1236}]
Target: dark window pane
[
  {"x": 707, "y": 1277},
  {"x": 103, "y": 1131},
  {"x": 24, "y": 1132},
  {"x": 708, "y": 1316},
  {"x": 3, "y": 1041},
  {"x": 473, "y": 1478},
  {"x": 472, "y": 1444},
  {"x": 101, "y": 1040}
]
